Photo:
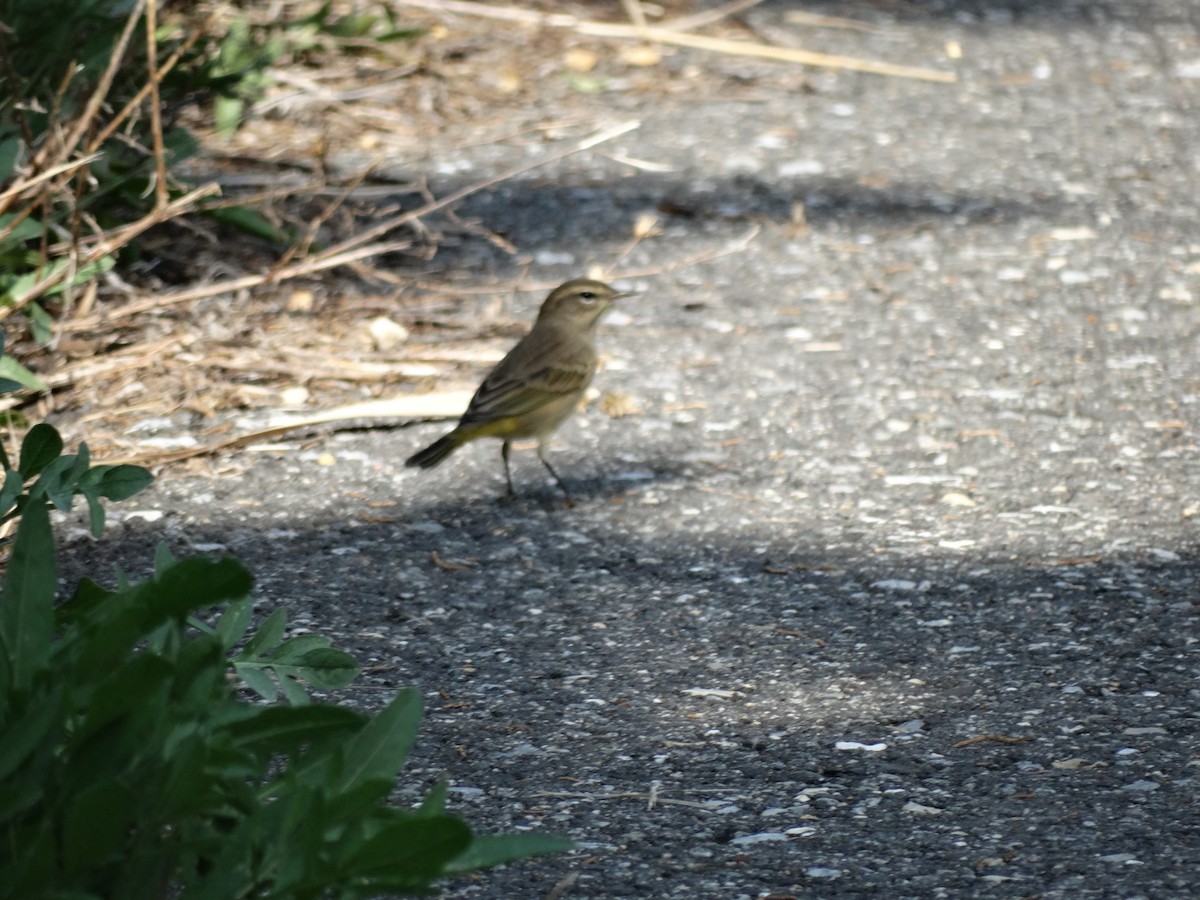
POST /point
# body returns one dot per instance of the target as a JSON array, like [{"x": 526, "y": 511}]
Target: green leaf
[
  {"x": 411, "y": 851},
  {"x": 352, "y": 25},
  {"x": 15, "y": 798},
  {"x": 356, "y": 806},
  {"x": 113, "y": 482},
  {"x": 27, "y": 608},
  {"x": 293, "y": 691},
  {"x": 292, "y": 650},
  {"x": 400, "y": 34},
  {"x": 278, "y": 729},
  {"x": 163, "y": 559},
  {"x": 435, "y": 801},
  {"x": 585, "y": 84},
  {"x": 96, "y": 514},
  {"x": 14, "y": 376},
  {"x": 140, "y": 683},
  {"x": 269, "y": 634},
  {"x": 234, "y": 621},
  {"x": 83, "y": 458},
  {"x": 14, "y": 483},
  {"x": 380, "y": 749},
  {"x": 180, "y": 144},
  {"x": 40, "y": 322},
  {"x": 55, "y": 484},
  {"x": 29, "y": 227},
  {"x": 197, "y": 582},
  {"x": 143, "y": 608},
  {"x": 42, "y": 445},
  {"x": 327, "y": 669},
  {"x": 95, "y": 825},
  {"x": 256, "y": 680},
  {"x": 227, "y": 114},
  {"x": 489, "y": 850},
  {"x": 26, "y": 731},
  {"x": 250, "y": 221},
  {"x": 88, "y": 595}
]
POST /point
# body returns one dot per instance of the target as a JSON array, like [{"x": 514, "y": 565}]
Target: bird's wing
[{"x": 513, "y": 390}]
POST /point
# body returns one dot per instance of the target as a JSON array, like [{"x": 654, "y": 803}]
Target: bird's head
[{"x": 582, "y": 300}]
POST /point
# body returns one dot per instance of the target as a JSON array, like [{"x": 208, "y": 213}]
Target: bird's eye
[{"x": 587, "y": 295}]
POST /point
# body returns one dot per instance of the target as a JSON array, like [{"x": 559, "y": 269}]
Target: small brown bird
[{"x": 539, "y": 383}]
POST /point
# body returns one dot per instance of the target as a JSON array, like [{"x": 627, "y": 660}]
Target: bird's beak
[{"x": 621, "y": 295}]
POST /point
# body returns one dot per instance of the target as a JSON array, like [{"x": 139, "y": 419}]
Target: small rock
[
  {"x": 642, "y": 55},
  {"x": 920, "y": 809},
  {"x": 294, "y": 396},
  {"x": 956, "y": 498},
  {"x": 1119, "y": 858},
  {"x": 579, "y": 59},
  {"x": 300, "y": 301},
  {"x": 855, "y": 745},
  {"x": 180, "y": 442},
  {"x": 1164, "y": 555},
  {"x": 801, "y": 831},
  {"x": 1073, "y": 763},
  {"x": 894, "y": 584},
  {"x": 1142, "y": 786},
  {"x": 386, "y": 334},
  {"x": 718, "y": 693},
  {"x": 761, "y": 838},
  {"x": 823, "y": 872},
  {"x": 146, "y": 515}
]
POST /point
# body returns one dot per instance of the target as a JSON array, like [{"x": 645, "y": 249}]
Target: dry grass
[{"x": 254, "y": 327}]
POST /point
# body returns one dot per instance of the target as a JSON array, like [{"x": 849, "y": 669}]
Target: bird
[{"x": 538, "y": 384}]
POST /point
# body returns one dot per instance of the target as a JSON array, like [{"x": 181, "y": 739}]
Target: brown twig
[
  {"x": 407, "y": 407},
  {"x": 633, "y": 8},
  {"x": 106, "y": 132},
  {"x": 100, "y": 94},
  {"x": 161, "y": 196},
  {"x": 768, "y": 51},
  {"x": 121, "y": 237},
  {"x": 999, "y": 738},
  {"x": 21, "y": 187},
  {"x": 708, "y": 17},
  {"x": 302, "y": 243},
  {"x": 667, "y": 34},
  {"x": 356, "y": 248}
]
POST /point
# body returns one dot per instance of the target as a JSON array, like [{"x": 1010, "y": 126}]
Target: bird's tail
[{"x": 435, "y": 452}]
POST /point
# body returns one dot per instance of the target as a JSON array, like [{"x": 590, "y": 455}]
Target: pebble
[
  {"x": 759, "y": 838},
  {"x": 855, "y": 745},
  {"x": 386, "y": 334},
  {"x": 920, "y": 809},
  {"x": 1142, "y": 786},
  {"x": 823, "y": 872},
  {"x": 894, "y": 584}
]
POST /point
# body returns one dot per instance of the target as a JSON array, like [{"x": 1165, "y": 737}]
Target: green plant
[
  {"x": 82, "y": 147},
  {"x": 44, "y": 476},
  {"x": 132, "y": 767},
  {"x": 92, "y": 96}
]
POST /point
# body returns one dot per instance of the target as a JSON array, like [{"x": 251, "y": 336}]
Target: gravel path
[{"x": 888, "y": 586}]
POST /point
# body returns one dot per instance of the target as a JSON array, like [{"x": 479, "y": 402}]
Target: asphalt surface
[{"x": 888, "y": 586}]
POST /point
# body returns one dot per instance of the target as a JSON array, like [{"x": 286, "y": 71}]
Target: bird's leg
[
  {"x": 541, "y": 451},
  {"x": 507, "y": 474}
]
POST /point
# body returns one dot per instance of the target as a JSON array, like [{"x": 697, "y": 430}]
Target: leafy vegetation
[
  {"x": 96, "y": 101},
  {"x": 132, "y": 767}
]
